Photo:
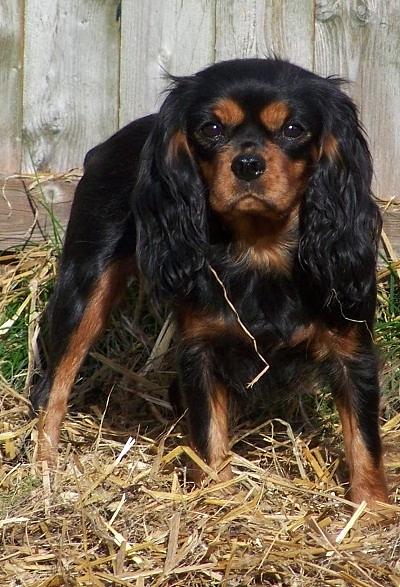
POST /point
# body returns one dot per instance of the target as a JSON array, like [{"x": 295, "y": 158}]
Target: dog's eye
[
  {"x": 293, "y": 131},
  {"x": 212, "y": 130}
]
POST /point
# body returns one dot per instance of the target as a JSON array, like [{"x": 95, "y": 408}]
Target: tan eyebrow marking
[
  {"x": 229, "y": 112},
  {"x": 274, "y": 115}
]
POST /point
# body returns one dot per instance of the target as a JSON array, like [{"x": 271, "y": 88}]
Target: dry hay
[{"x": 120, "y": 510}]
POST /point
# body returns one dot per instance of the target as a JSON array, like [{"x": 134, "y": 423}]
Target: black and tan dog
[{"x": 255, "y": 173}]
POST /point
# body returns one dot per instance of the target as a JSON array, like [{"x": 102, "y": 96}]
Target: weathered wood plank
[
  {"x": 391, "y": 226},
  {"x": 360, "y": 40},
  {"x": 26, "y": 207},
  {"x": 73, "y": 90},
  {"x": 71, "y": 74},
  {"x": 249, "y": 28},
  {"x": 11, "y": 54},
  {"x": 158, "y": 36}
]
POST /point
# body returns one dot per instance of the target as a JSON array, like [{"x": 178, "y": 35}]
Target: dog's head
[
  {"x": 260, "y": 144},
  {"x": 254, "y": 139}
]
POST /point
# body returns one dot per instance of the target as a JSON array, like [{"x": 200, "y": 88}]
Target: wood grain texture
[
  {"x": 391, "y": 226},
  {"x": 249, "y": 28},
  {"x": 71, "y": 76},
  {"x": 360, "y": 40},
  {"x": 83, "y": 77},
  {"x": 25, "y": 206},
  {"x": 11, "y": 52},
  {"x": 161, "y": 36}
]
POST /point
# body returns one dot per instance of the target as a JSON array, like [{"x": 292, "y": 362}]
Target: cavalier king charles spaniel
[{"x": 245, "y": 204}]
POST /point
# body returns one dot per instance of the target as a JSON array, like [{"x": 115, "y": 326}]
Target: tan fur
[
  {"x": 274, "y": 115},
  {"x": 200, "y": 325},
  {"x": 269, "y": 245},
  {"x": 329, "y": 149},
  {"x": 367, "y": 479},
  {"x": 321, "y": 341},
  {"x": 220, "y": 178},
  {"x": 280, "y": 186},
  {"x": 102, "y": 299},
  {"x": 229, "y": 112},
  {"x": 285, "y": 180},
  {"x": 262, "y": 214},
  {"x": 218, "y": 439},
  {"x": 177, "y": 143}
]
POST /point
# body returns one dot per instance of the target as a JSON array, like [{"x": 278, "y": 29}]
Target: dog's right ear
[
  {"x": 340, "y": 223},
  {"x": 169, "y": 204}
]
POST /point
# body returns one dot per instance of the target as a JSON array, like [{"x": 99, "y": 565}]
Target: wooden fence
[{"x": 73, "y": 71}]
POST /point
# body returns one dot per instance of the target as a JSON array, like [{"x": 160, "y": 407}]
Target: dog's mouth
[{"x": 252, "y": 203}]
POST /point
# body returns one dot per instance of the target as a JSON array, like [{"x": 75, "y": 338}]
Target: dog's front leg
[{"x": 207, "y": 402}]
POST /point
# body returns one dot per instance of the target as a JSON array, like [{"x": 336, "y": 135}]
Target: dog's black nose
[{"x": 248, "y": 167}]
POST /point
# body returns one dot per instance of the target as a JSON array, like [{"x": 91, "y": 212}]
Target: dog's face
[
  {"x": 277, "y": 154},
  {"x": 256, "y": 137},
  {"x": 255, "y": 152}
]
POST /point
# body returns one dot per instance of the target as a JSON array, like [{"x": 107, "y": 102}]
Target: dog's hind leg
[
  {"x": 97, "y": 260},
  {"x": 78, "y": 315},
  {"x": 356, "y": 393}
]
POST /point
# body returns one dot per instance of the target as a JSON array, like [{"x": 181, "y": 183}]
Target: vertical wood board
[
  {"x": 11, "y": 52},
  {"x": 83, "y": 77},
  {"x": 360, "y": 40},
  {"x": 71, "y": 80},
  {"x": 263, "y": 28},
  {"x": 161, "y": 36},
  {"x": 33, "y": 211}
]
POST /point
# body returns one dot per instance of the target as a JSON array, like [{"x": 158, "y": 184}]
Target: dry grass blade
[
  {"x": 390, "y": 251},
  {"x": 160, "y": 347},
  {"x": 122, "y": 511},
  {"x": 243, "y": 327}
]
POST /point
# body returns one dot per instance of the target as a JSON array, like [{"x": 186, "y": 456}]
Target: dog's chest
[{"x": 270, "y": 308}]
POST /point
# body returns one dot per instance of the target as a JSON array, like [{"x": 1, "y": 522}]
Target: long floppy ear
[
  {"x": 169, "y": 204},
  {"x": 340, "y": 223}
]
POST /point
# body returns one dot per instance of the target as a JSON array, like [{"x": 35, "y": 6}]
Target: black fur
[
  {"x": 171, "y": 243},
  {"x": 158, "y": 211},
  {"x": 340, "y": 224}
]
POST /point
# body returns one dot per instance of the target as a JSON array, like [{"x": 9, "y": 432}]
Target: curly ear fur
[
  {"x": 169, "y": 203},
  {"x": 339, "y": 221}
]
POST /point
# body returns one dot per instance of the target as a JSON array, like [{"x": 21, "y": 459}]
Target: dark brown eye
[
  {"x": 212, "y": 130},
  {"x": 293, "y": 131}
]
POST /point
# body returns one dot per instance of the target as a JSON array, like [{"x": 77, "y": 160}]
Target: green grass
[
  {"x": 387, "y": 331},
  {"x": 14, "y": 352},
  {"x": 14, "y": 349},
  {"x": 18, "y": 494},
  {"x": 118, "y": 339}
]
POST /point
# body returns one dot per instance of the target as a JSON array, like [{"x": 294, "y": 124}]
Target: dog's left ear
[
  {"x": 340, "y": 223},
  {"x": 169, "y": 204}
]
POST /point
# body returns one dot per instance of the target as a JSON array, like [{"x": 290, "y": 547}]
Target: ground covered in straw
[{"x": 120, "y": 510}]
